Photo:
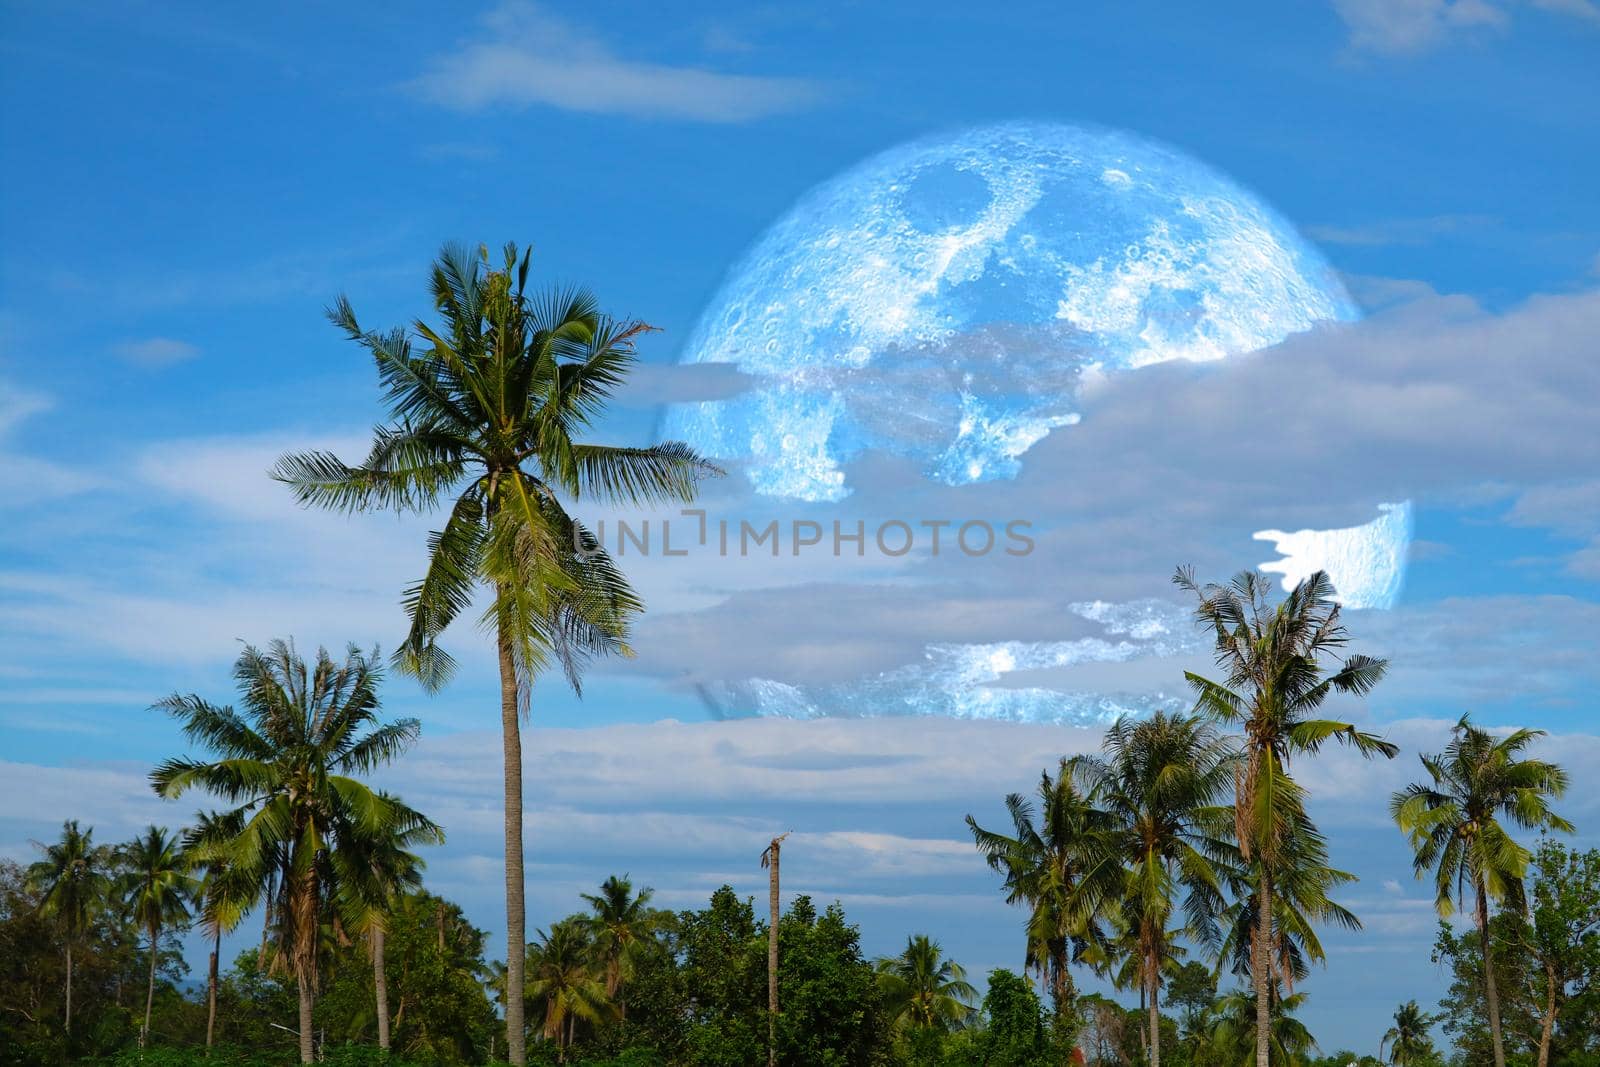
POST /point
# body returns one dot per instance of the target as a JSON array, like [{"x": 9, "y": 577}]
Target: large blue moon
[{"x": 944, "y": 300}]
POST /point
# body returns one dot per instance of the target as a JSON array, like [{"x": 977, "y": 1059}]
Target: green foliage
[
  {"x": 1043, "y": 862},
  {"x": 110, "y": 968},
  {"x": 1407, "y": 1040},
  {"x": 1280, "y": 662},
  {"x": 303, "y": 837},
  {"x": 697, "y": 990},
  {"x": 1458, "y": 822},
  {"x": 1162, "y": 785},
  {"x": 1015, "y": 1035},
  {"x": 439, "y": 1006},
  {"x": 1233, "y": 1035},
  {"x": 830, "y": 1009},
  {"x": 1546, "y": 959},
  {"x": 724, "y": 979},
  {"x": 486, "y": 410},
  {"x": 925, "y": 991}
]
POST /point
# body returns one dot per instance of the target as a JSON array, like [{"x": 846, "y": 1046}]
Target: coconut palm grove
[{"x": 906, "y": 536}]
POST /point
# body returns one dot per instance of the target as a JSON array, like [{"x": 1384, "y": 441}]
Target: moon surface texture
[{"x": 944, "y": 302}]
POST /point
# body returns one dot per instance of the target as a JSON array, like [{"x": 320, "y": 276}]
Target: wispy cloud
[
  {"x": 28, "y": 479},
  {"x": 1400, "y": 27},
  {"x": 1420, "y": 231},
  {"x": 528, "y": 57},
  {"x": 155, "y": 352}
]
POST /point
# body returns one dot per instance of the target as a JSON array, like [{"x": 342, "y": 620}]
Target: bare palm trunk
[
  {"x": 380, "y": 985},
  {"x": 266, "y": 925},
  {"x": 1261, "y": 971},
  {"x": 67, "y": 1029},
  {"x": 1490, "y": 994},
  {"x": 211, "y": 987},
  {"x": 307, "y": 1051},
  {"x": 1155, "y": 1016},
  {"x": 772, "y": 950},
  {"x": 300, "y": 932},
  {"x": 150, "y": 989},
  {"x": 516, "y": 916}
]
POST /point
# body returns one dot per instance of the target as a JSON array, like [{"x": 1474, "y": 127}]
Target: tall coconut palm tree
[
  {"x": 487, "y": 409},
  {"x": 217, "y": 915},
  {"x": 1453, "y": 821},
  {"x": 1281, "y": 662},
  {"x": 1043, "y": 865},
  {"x": 925, "y": 990},
  {"x": 155, "y": 886},
  {"x": 374, "y": 870},
  {"x": 1161, "y": 783},
  {"x": 565, "y": 985},
  {"x": 620, "y": 922},
  {"x": 287, "y": 763},
  {"x": 1407, "y": 1040},
  {"x": 74, "y": 884}
]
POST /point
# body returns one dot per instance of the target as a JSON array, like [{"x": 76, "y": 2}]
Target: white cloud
[
  {"x": 1570, "y": 508},
  {"x": 156, "y": 352},
  {"x": 1585, "y": 563},
  {"x": 1398, "y": 27},
  {"x": 527, "y": 56}
]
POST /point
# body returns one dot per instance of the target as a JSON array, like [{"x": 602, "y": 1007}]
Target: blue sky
[{"x": 186, "y": 190}]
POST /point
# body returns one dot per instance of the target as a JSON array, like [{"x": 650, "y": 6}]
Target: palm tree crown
[
  {"x": 487, "y": 409},
  {"x": 1407, "y": 1040},
  {"x": 156, "y": 885},
  {"x": 72, "y": 878},
  {"x": 925, "y": 990},
  {"x": 1161, "y": 785},
  {"x": 1454, "y": 819},
  {"x": 562, "y": 980},
  {"x": 1043, "y": 866},
  {"x": 1233, "y": 1038},
  {"x": 621, "y": 920}
]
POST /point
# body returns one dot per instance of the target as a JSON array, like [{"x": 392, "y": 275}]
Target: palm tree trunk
[
  {"x": 380, "y": 984},
  {"x": 1490, "y": 995},
  {"x": 266, "y": 921},
  {"x": 772, "y": 955},
  {"x": 1155, "y": 1016},
  {"x": 307, "y": 1052},
  {"x": 67, "y": 1029},
  {"x": 1063, "y": 993},
  {"x": 150, "y": 990},
  {"x": 1261, "y": 971},
  {"x": 211, "y": 987},
  {"x": 516, "y": 916}
]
